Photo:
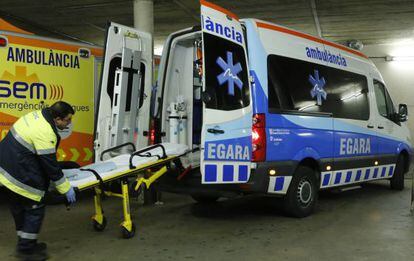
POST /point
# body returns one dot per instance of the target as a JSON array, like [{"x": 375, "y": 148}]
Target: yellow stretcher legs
[
  {"x": 127, "y": 226},
  {"x": 98, "y": 220},
  {"x": 151, "y": 179}
]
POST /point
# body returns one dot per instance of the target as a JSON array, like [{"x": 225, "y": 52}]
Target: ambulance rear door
[
  {"x": 123, "y": 103},
  {"x": 227, "y": 104}
]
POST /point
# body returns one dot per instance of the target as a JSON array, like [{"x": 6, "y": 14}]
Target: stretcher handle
[
  {"x": 118, "y": 147},
  {"x": 191, "y": 151},
  {"x": 139, "y": 153}
]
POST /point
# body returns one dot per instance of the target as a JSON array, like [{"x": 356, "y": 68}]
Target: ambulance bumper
[{"x": 260, "y": 176}]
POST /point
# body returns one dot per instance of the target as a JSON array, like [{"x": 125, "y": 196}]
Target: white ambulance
[{"x": 262, "y": 108}]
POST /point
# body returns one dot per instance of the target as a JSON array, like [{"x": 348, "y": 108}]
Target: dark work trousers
[{"x": 28, "y": 217}]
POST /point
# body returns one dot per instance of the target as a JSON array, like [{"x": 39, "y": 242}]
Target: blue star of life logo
[
  {"x": 229, "y": 73},
  {"x": 317, "y": 90}
]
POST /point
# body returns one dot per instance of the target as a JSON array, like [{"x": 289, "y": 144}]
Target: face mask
[{"x": 66, "y": 132}]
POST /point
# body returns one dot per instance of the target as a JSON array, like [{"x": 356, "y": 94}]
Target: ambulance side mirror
[
  {"x": 205, "y": 97},
  {"x": 402, "y": 112}
]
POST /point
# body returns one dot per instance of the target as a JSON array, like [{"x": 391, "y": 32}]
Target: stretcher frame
[{"x": 163, "y": 164}]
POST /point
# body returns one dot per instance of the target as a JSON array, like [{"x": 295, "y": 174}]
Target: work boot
[
  {"x": 41, "y": 247},
  {"x": 38, "y": 253}
]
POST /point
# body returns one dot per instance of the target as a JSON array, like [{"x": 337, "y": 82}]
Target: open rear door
[
  {"x": 126, "y": 70},
  {"x": 227, "y": 106}
]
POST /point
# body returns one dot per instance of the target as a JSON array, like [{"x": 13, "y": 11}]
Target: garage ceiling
[{"x": 370, "y": 21}]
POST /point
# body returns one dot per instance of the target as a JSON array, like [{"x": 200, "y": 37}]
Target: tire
[
  {"x": 128, "y": 234},
  {"x": 99, "y": 227},
  {"x": 302, "y": 195},
  {"x": 205, "y": 199},
  {"x": 397, "y": 180}
]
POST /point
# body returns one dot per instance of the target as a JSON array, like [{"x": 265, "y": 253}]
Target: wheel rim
[{"x": 304, "y": 192}]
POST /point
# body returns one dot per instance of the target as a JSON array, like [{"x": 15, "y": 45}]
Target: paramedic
[{"x": 27, "y": 165}]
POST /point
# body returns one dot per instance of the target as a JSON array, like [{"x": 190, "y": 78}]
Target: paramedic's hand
[{"x": 71, "y": 196}]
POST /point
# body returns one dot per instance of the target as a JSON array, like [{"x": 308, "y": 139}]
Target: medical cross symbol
[
  {"x": 317, "y": 89},
  {"x": 229, "y": 73}
]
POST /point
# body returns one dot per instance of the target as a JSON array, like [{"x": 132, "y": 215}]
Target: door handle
[
  {"x": 215, "y": 131},
  {"x": 380, "y": 127},
  {"x": 370, "y": 126}
]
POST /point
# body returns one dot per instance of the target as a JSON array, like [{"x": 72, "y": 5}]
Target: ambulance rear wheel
[
  {"x": 302, "y": 195},
  {"x": 397, "y": 180},
  {"x": 99, "y": 227},
  {"x": 205, "y": 199}
]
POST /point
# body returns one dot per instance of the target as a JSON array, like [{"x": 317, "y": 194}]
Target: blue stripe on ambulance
[
  {"x": 336, "y": 178},
  {"x": 219, "y": 172},
  {"x": 280, "y": 184}
]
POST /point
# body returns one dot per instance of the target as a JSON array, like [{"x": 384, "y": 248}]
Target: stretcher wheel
[
  {"x": 128, "y": 234},
  {"x": 99, "y": 227}
]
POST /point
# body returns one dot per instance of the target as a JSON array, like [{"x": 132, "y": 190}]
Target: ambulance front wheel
[
  {"x": 99, "y": 226},
  {"x": 397, "y": 180},
  {"x": 302, "y": 195}
]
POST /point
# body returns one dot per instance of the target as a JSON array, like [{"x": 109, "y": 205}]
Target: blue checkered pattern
[
  {"x": 279, "y": 184},
  {"x": 349, "y": 176},
  {"x": 219, "y": 172}
]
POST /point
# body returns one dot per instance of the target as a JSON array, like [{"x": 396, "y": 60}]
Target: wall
[{"x": 398, "y": 75}]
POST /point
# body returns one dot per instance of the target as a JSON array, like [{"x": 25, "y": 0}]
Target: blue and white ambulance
[{"x": 270, "y": 110}]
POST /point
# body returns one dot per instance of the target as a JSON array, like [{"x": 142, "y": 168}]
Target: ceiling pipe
[
  {"x": 315, "y": 18},
  {"x": 95, "y": 5},
  {"x": 95, "y": 26},
  {"x": 389, "y": 58}
]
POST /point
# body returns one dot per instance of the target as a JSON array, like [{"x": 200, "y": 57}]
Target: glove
[{"x": 71, "y": 196}]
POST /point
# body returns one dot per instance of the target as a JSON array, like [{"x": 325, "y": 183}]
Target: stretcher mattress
[{"x": 119, "y": 165}]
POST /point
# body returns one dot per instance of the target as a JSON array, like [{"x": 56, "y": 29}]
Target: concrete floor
[{"x": 372, "y": 223}]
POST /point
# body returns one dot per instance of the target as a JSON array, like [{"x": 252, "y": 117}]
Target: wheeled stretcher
[{"x": 153, "y": 161}]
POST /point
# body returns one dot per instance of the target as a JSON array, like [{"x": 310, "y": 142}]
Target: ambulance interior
[{"x": 181, "y": 117}]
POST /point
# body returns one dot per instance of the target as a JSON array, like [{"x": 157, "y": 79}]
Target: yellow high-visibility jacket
[{"x": 28, "y": 156}]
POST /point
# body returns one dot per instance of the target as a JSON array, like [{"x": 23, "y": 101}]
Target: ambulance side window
[
  {"x": 303, "y": 87},
  {"x": 226, "y": 76},
  {"x": 384, "y": 102},
  {"x": 390, "y": 104}
]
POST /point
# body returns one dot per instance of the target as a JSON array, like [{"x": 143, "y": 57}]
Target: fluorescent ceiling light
[
  {"x": 354, "y": 95},
  {"x": 402, "y": 58}
]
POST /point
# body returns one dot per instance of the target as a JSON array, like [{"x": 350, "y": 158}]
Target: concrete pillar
[{"x": 144, "y": 15}]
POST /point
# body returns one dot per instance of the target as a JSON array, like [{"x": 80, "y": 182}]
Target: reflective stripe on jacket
[{"x": 28, "y": 156}]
